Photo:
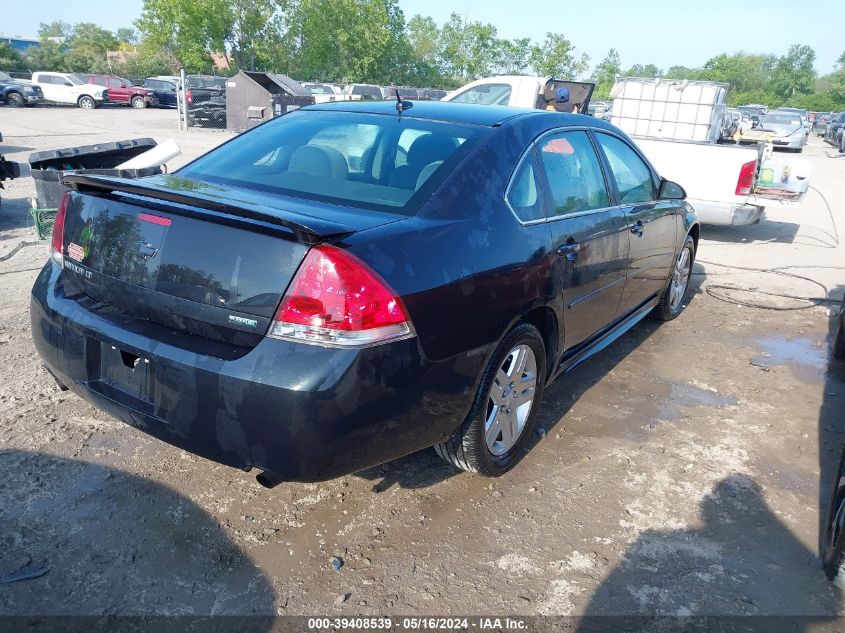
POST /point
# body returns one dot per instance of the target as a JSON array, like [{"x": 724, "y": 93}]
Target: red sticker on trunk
[{"x": 75, "y": 251}]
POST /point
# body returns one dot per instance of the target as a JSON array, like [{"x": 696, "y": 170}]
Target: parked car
[
  {"x": 835, "y": 132},
  {"x": 598, "y": 109},
  {"x": 165, "y": 90},
  {"x": 67, "y": 88},
  {"x": 206, "y": 100},
  {"x": 789, "y": 127},
  {"x": 16, "y": 94},
  {"x": 364, "y": 92},
  {"x": 805, "y": 118},
  {"x": 820, "y": 124},
  {"x": 754, "y": 113},
  {"x": 120, "y": 90},
  {"x": 404, "y": 92},
  {"x": 308, "y": 300},
  {"x": 722, "y": 181},
  {"x": 325, "y": 93},
  {"x": 431, "y": 94}
]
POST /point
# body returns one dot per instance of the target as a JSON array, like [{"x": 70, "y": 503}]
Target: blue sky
[{"x": 666, "y": 33}]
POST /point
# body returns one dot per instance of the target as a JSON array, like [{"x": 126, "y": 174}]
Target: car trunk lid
[{"x": 190, "y": 256}]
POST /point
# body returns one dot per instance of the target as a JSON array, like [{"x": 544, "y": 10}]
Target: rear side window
[
  {"x": 573, "y": 172},
  {"x": 524, "y": 191},
  {"x": 633, "y": 177},
  {"x": 342, "y": 157},
  {"x": 490, "y": 94}
]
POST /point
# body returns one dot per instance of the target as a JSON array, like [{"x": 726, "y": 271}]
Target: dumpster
[
  {"x": 254, "y": 97},
  {"x": 48, "y": 168}
]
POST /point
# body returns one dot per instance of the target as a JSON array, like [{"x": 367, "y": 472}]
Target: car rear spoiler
[{"x": 307, "y": 229}]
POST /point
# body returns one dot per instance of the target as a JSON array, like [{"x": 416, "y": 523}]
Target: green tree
[
  {"x": 794, "y": 73},
  {"x": 127, "y": 35},
  {"x": 649, "y": 71},
  {"x": 55, "y": 29},
  {"x": 187, "y": 30},
  {"x": 469, "y": 49},
  {"x": 10, "y": 59},
  {"x": 423, "y": 35},
  {"x": 556, "y": 57},
  {"x": 682, "y": 72},
  {"x": 605, "y": 74},
  {"x": 348, "y": 40},
  {"x": 513, "y": 57},
  {"x": 48, "y": 55}
]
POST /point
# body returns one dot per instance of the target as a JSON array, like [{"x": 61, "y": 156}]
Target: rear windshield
[
  {"x": 380, "y": 162},
  {"x": 783, "y": 119}
]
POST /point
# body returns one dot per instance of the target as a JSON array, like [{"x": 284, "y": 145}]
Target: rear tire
[
  {"x": 15, "y": 100},
  {"x": 86, "y": 102},
  {"x": 492, "y": 438},
  {"x": 833, "y": 537},
  {"x": 139, "y": 103},
  {"x": 674, "y": 298}
]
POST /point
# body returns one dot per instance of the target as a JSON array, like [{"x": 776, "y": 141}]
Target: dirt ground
[{"x": 679, "y": 472}]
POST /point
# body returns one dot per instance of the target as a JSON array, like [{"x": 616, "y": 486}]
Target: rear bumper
[
  {"x": 301, "y": 412},
  {"x": 727, "y": 214}
]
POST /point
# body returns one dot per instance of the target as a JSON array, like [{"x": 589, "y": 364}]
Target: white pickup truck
[
  {"x": 67, "y": 88},
  {"x": 725, "y": 183}
]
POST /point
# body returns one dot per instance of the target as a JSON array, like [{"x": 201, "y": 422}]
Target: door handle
[
  {"x": 637, "y": 228},
  {"x": 569, "y": 250}
]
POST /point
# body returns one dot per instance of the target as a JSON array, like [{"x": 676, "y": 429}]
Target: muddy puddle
[{"x": 805, "y": 357}]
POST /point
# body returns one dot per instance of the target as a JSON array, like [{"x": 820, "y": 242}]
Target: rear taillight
[
  {"x": 188, "y": 96},
  {"x": 745, "y": 182},
  {"x": 335, "y": 299},
  {"x": 56, "y": 244}
]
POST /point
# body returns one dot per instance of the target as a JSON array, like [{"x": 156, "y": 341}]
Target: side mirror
[
  {"x": 123, "y": 85},
  {"x": 67, "y": 83},
  {"x": 670, "y": 190}
]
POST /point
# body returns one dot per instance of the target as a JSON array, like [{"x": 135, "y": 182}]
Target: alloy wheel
[
  {"x": 511, "y": 399},
  {"x": 680, "y": 279}
]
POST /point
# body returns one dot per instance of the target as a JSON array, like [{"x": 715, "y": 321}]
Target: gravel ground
[{"x": 678, "y": 473}]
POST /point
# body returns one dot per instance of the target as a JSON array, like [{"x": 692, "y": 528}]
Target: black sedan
[{"x": 352, "y": 282}]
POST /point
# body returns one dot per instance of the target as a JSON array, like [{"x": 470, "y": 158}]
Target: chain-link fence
[{"x": 202, "y": 101}]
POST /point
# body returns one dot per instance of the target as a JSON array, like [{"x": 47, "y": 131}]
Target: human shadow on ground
[
  {"x": 740, "y": 569},
  {"x": 115, "y": 545}
]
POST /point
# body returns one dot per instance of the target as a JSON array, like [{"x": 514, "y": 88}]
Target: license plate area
[{"x": 127, "y": 372}]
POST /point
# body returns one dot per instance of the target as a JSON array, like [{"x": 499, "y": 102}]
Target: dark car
[
  {"x": 15, "y": 94},
  {"x": 311, "y": 298},
  {"x": 206, "y": 99},
  {"x": 164, "y": 89},
  {"x": 835, "y": 132},
  {"x": 123, "y": 91}
]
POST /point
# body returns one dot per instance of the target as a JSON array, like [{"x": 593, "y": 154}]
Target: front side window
[
  {"x": 573, "y": 173},
  {"x": 632, "y": 175},
  {"x": 341, "y": 157},
  {"x": 524, "y": 191},
  {"x": 490, "y": 94}
]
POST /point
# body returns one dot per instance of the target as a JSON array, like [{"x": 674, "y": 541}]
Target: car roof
[{"x": 440, "y": 110}]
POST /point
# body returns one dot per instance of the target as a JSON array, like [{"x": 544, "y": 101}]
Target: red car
[{"x": 123, "y": 91}]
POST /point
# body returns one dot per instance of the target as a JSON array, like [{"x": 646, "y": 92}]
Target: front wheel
[
  {"x": 15, "y": 99},
  {"x": 86, "y": 102},
  {"x": 139, "y": 103},
  {"x": 674, "y": 297},
  {"x": 492, "y": 438}
]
